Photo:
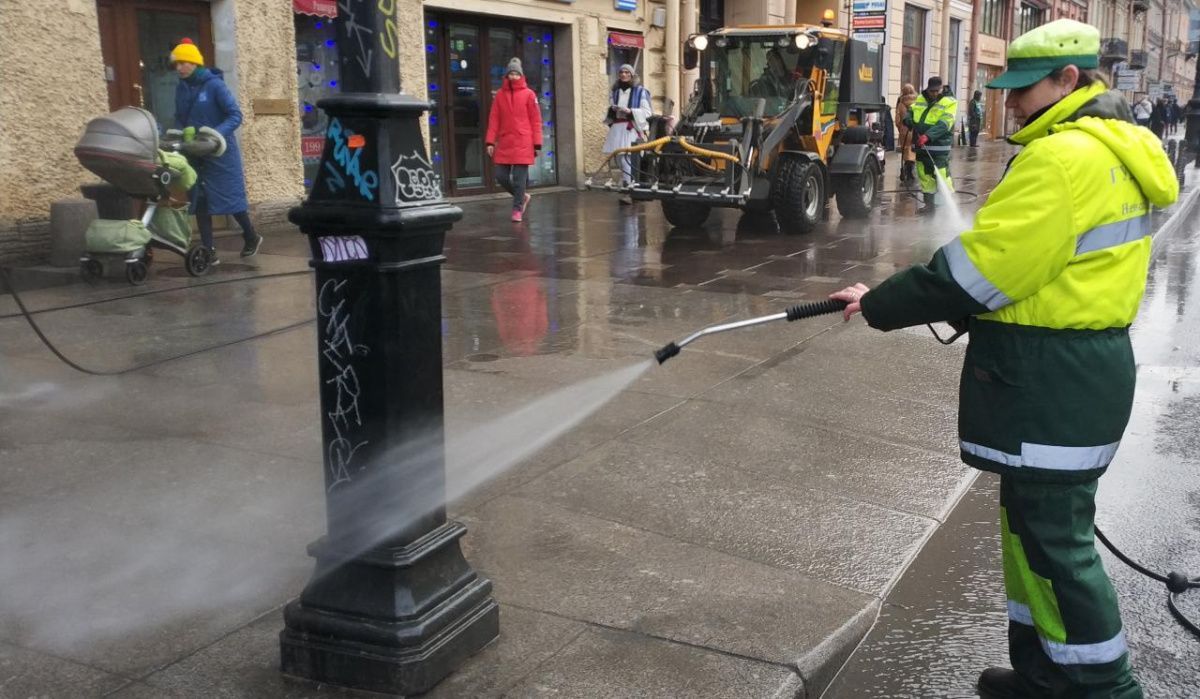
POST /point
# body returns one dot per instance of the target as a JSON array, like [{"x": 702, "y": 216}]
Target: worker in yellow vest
[
  {"x": 931, "y": 119},
  {"x": 1048, "y": 280}
]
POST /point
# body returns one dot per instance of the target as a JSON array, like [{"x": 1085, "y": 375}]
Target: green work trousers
[
  {"x": 1064, "y": 629},
  {"x": 927, "y": 178}
]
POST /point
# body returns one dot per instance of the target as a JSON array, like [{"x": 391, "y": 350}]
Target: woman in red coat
[{"x": 514, "y": 135}]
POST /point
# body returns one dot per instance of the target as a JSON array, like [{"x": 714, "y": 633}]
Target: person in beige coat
[{"x": 908, "y": 95}]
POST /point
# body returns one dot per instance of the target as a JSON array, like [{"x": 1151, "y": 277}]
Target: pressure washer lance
[{"x": 804, "y": 310}]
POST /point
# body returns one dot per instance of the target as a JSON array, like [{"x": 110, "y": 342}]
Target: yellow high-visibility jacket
[
  {"x": 936, "y": 121},
  {"x": 1051, "y": 276}
]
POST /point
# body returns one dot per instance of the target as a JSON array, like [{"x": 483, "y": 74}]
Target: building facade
[{"x": 279, "y": 58}]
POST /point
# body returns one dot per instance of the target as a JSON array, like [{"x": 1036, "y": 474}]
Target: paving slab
[
  {"x": 780, "y": 523},
  {"x": 543, "y": 557}
]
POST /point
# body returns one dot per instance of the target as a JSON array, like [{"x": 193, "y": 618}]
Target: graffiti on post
[
  {"x": 338, "y": 351},
  {"x": 347, "y": 150},
  {"x": 361, "y": 34},
  {"x": 343, "y": 248},
  {"x": 415, "y": 179}
]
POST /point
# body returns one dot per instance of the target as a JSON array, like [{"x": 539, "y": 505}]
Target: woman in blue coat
[{"x": 202, "y": 99}]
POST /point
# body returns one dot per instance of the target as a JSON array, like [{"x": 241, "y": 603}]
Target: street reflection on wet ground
[
  {"x": 946, "y": 620},
  {"x": 582, "y": 258}
]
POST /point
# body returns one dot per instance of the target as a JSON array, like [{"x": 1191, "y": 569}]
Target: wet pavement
[{"x": 727, "y": 526}]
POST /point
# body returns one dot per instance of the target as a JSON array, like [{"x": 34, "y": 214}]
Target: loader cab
[{"x": 740, "y": 67}]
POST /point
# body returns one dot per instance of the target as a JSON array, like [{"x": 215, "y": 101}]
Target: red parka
[{"x": 515, "y": 124}]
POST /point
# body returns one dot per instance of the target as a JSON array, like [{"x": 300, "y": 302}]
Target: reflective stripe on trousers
[
  {"x": 1068, "y": 653},
  {"x": 1047, "y": 456}
]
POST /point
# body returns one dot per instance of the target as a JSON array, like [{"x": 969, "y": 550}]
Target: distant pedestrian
[
  {"x": 889, "y": 131},
  {"x": 203, "y": 99},
  {"x": 1142, "y": 109},
  {"x": 628, "y": 118},
  {"x": 514, "y": 136},
  {"x": 1158, "y": 117},
  {"x": 975, "y": 117},
  {"x": 908, "y": 159}
]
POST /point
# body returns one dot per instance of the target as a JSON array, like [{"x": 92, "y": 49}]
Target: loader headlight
[
  {"x": 803, "y": 41},
  {"x": 700, "y": 42}
]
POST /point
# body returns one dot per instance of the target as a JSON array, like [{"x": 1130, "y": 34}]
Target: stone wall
[
  {"x": 266, "y": 70},
  {"x": 51, "y": 84}
]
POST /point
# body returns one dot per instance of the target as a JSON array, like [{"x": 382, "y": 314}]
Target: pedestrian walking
[
  {"x": 932, "y": 122},
  {"x": 1047, "y": 282},
  {"x": 628, "y": 118},
  {"x": 908, "y": 160},
  {"x": 203, "y": 99},
  {"x": 1142, "y": 110},
  {"x": 975, "y": 117},
  {"x": 889, "y": 130},
  {"x": 1158, "y": 117},
  {"x": 514, "y": 136}
]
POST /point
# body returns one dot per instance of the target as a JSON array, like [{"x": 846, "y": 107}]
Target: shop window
[
  {"x": 625, "y": 48},
  {"x": 992, "y": 18},
  {"x": 912, "y": 57},
  {"x": 317, "y": 78},
  {"x": 466, "y": 61}
]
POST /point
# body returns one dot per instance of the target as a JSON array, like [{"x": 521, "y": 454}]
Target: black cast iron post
[{"x": 392, "y": 605}]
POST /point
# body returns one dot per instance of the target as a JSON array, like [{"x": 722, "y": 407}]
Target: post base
[
  {"x": 386, "y": 669},
  {"x": 394, "y": 620}
]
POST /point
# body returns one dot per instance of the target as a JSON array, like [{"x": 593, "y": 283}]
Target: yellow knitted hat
[{"x": 187, "y": 52}]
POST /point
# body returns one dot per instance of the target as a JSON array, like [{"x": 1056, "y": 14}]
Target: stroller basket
[{"x": 122, "y": 148}]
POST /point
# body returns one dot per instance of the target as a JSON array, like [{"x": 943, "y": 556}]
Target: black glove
[{"x": 537, "y": 147}]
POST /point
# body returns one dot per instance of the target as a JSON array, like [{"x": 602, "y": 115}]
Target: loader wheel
[
  {"x": 685, "y": 214},
  {"x": 857, "y": 194},
  {"x": 800, "y": 196}
]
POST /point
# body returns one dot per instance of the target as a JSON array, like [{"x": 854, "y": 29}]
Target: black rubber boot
[
  {"x": 930, "y": 207},
  {"x": 1002, "y": 683}
]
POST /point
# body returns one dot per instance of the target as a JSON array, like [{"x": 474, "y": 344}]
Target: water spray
[{"x": 804, "y": 310}]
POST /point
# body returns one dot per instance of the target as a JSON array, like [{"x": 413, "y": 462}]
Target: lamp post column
[{"x": 392, "y": 606}]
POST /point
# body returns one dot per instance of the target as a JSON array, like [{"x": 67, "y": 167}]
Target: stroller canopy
[{"x": 122, "y": 148}]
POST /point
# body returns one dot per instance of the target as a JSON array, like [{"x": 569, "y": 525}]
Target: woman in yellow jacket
[{"x": 1048, "y": 279}]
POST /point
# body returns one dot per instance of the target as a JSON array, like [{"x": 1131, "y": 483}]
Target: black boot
[
  {"x": 930, "y": 206},
  {"x": 1002, "y": 683}
]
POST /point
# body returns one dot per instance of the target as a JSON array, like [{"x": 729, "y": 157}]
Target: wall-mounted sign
[
  {"x": 868, "y": 21},
  {"x": 877, "y": 22},
  {"x": 869, "y": 6},
  {"x": 625, "y": 5}
]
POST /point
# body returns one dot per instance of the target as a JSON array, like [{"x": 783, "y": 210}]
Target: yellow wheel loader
[{"x": 778, "y": 121}]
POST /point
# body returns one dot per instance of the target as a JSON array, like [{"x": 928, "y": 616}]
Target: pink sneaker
[
  {"x": 516, "y": 217},
  {"x": 525, "y": 204}
]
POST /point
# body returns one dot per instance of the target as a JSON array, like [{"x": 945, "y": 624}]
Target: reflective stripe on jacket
[
  {"x": 1052, "y": 272},
  {"x": 934, "y": 120}
]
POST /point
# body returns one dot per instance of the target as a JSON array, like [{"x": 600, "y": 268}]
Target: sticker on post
[{"x": 343, "y": 248}]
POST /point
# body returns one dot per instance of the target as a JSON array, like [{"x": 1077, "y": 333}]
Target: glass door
[
  {"x": 465, "y": 106},
  {"x": 467, "y": 59},
  {"x": 136, "y": 38}
]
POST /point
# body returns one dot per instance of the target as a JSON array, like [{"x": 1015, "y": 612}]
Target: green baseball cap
[{"x": 1038, "y": 52}]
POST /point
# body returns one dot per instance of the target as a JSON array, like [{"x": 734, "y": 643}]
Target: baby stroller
[{"x": 123, "y": 148}]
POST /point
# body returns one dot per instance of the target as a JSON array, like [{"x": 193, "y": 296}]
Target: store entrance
[
  {"x": 466, "y": 59},
  {"x": 136, "y": 38}
]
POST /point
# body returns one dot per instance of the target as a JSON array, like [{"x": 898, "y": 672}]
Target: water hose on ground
[{"x": 28, "y": 315}]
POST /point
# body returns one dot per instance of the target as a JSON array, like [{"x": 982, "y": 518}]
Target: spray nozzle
[
  {"x": 804, "y": 310},
  {"x": 669, "y": 350}
]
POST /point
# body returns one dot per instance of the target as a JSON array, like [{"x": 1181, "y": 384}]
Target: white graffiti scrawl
[{"x": 415, "y": 179}]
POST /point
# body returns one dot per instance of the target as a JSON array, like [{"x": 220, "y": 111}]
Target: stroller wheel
[
  {"x": 197, "y": 261},
  {"x": 135, "y": 272},
  {"x": 91, "y": 271}
]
